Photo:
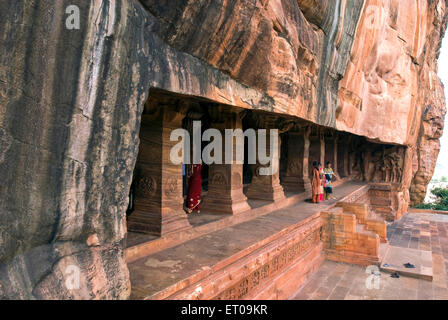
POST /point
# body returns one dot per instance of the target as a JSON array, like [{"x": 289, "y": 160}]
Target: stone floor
[
  {"x": 338, "y": 281},
  {"x": 196, "y": 220}
]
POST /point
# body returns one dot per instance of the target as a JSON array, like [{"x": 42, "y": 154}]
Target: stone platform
[
  {"x": 140, "y": 245},
  {"x": 417, "y": 230},
  {"x": 426, "y": 232},
  {"x": 266, "y": 257},
  {"x": 342, "y": 281},
  {"x": 396, "y": 258}
]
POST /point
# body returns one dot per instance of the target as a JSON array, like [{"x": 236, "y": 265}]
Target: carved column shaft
[
  {"x": 322, "y": 150},
  {"x": 225, "y": 186},
  {"x": 158, "y": 199},
  {"x": 267, "y": 187},
  {"x": 297, "y": 177},
  {"x": 331, "y": 148},
  {"x": 317, "y": 152},
  {"x": 343, "y": 158},
  {"x": 366, "y": 157},
  {"x": 351, "y": 146}
]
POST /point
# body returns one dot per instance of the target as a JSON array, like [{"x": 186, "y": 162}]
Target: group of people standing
[{"x": 322, "y": 186}]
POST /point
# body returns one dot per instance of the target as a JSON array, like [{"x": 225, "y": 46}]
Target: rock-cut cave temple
[{"x": 87, "y": 185}]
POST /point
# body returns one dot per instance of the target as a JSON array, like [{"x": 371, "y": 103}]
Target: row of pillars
[{"x": 158, "y": 199}]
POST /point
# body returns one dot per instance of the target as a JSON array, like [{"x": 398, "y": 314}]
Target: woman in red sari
[
  {"x": 316, "y": 183},
  {"x": 194, "y": 190}
]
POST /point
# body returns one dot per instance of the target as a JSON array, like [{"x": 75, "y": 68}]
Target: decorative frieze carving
[
  {"x": 219, "y": 178},
  {"x": 271, "y": 268},
  {"x": 172, "y": 186}
]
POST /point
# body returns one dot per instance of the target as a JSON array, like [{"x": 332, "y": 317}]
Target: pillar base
[
  {"x": 296, "y": 184},
  {"x": 154, "y": 224},
  {"x": 265, "y": 192},
  {"x": 220, "y": 204}
]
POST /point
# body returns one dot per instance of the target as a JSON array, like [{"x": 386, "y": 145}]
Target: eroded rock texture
[
  {"x": 71, "y": 101},
  {"x": 70, "y": 107},
  {"x": 391, "y": 90}
]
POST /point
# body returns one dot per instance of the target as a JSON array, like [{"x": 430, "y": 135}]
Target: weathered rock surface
[
  {"x": 391, "y": 91},
  {"x": 70, "y": 106},
  {"x": 71, "y": 100}
]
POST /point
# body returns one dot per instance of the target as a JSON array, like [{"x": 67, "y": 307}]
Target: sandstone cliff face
[
  {"x": 71, "y": 100},
  {"x": 431, "y": 103},
  {"x": 292, "y": 56},
  {"x": 391, "y": 91},
  {"x": 70, "y": 107}
]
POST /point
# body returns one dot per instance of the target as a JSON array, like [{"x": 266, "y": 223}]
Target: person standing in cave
[
  {"x": 328, "y": 177},
  {"x": 322, "y": 181},
  {"x": 316, "y": 183},
  {"x": 194, "y": 189}
]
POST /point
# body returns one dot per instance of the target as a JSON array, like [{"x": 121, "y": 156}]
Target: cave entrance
[
  {"x": 157, "y": 205},
  {"x": 159, "y": 187}
]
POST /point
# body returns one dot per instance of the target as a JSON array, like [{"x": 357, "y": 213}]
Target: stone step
[
  {"x": 373, "y": 215},
  {"x": 396, "y": 257},
  {"x": 366, "y": 231},
  {"x": 360, "y": 228}
]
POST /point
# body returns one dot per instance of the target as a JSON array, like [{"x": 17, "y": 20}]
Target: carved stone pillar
[
  {"x": 225, "y": 183},
  {"x": 366, "y": 162},
  {"x": 351, "y": 146},
  {"x": 331, "y": 152},
  {"x": 317, "y": 150},
  {"x": 322, "y": 149},
  {"x": 267, "y": 187},
  {"x": 343, "y": 158},
  {"x": 297, "y": 173},
  {"x": 158, "y": 200}
]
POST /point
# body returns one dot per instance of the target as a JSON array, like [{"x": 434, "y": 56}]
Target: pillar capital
[
  {"x": 265, "y": 121},
  {"x": 287, "y": 126},
  {"x": 301, "y": 131},
  {"x": 170, "y": 115}
]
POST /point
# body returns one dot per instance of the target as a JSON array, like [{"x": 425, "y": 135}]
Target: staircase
[
  {"x": 354, "y": 233},
  {"x": 366, "y": 218}
]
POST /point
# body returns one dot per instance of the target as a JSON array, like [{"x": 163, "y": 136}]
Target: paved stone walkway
[{"x": 338, "y": 281}]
